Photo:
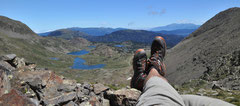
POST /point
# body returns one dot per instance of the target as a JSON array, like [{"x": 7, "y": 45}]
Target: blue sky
[{"x": 46, "y": 15}]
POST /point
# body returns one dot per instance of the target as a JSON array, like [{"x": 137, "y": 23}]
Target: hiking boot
[
  {"x": 139, "y": 66},
  {"x": 158, "y": 50}
]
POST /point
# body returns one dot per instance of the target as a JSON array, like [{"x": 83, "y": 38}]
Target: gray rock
[
  {"x": 5, "y": 85},
  {"x": 71, "y": 103},
  {"x": 34, "y": 101},
  {"x": 78, "y": 85},
  {"x": 19, "y": 62},
  {"x": 88, "y": 86},
  {"x": 49, "y": 87},
  {"x": 215, "y": 85},
  {"x": 85, "y": 98},
  {"x": 94, "y": 101},
  {"x": 98, "y": 88},
  {"x": 85, "y": 104},
  {"x": 105, "y": 102},
  {"x": 80, "y": 94},
  {"x": 66, "y": 88},
  {"x": 61, "y": 99},
  {"x": 91, "y": 94},
  {"x": 85, "y": 91},
  {"x": 124, "y": 97},
  {"x": 8, "y": 57},
  {"x": 6, "y": 67},
  {"x": 31, "y": 66}
]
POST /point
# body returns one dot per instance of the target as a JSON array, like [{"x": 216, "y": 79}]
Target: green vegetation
[{"x": 34, "y": 53}]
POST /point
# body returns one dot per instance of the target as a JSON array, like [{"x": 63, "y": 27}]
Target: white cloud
[{"x": 155, "y": 12}]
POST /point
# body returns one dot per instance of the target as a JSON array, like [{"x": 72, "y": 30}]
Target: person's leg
[
  {"x": 194, "y": 100},
  {"x": 149, "y": 77},
  {"x": 157, "y": 91}
]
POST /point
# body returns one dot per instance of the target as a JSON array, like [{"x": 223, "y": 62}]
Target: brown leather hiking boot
[
  {"x": 158, "y": 50},
  {"x": 139, "y": 67}
]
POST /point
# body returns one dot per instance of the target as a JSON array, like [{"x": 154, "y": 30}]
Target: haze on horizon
[{"x": 46, "y": 15}]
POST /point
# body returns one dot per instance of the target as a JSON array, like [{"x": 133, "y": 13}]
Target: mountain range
[
  {"x": 176, "y": 29},
  {"x": 90, "y": 31},
  {"x": 67, "y": 34},
  {"x": 138, "y": 36},
  {"x": 182, "y": 32},
  {"x": 173, "y": 36},
  {"x": 175, "y": 26},
  {"x": 96, "y": 31}
]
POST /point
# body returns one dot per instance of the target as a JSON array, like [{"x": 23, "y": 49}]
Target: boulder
[
  {"x": 123, "y": 97},
  {"x": 105, "y": 102},
  {"x": 67, "y": 86},
  {"x": 71, "y": 103},
  {"x": 61, "y": 99},
  {"x": 6, "y": 67},
  {"x": 85, "y": 104},
  {"x": 98, "y": 88},
  {"x": 16, "y": 98},
  {"x": 215, "y": 85},
  {"x": 49, "y": 87},
  {"x": 19, "y": 62},
  {"x": 4, "y": 83},
  {"x": 87, "y": 86},
  {"x": 94, "y": 101},
  {"x": 31, "y": 66},
  {"x": 8, "y": 57}
]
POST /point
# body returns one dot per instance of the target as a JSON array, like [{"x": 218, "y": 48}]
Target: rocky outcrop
[
  {"x": 16, "y": 98},
  {"x": 4, "y": 83},
  {"x": 123, "y": 97},
  {"x": 5, "y": 73},
  {"x": 24, "y": 84},
  {"x": 226, "y": 72}
]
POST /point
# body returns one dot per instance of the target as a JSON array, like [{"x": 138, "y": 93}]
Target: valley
[{"x": 205, "y": 62}]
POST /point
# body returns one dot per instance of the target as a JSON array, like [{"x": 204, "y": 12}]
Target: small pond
[{"x": 79, "y": 62}]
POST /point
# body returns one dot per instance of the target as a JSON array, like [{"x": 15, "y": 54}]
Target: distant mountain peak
[
  {"x": 67, "y": 33},
  {"x": 96, "y": 31},
  {"x": 176, "y": 26}
]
